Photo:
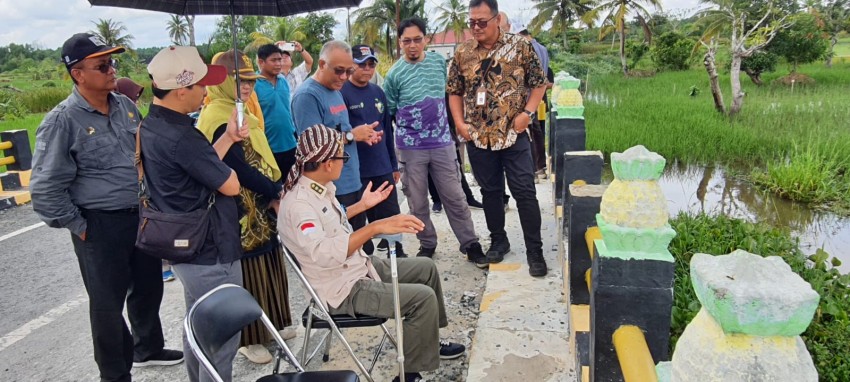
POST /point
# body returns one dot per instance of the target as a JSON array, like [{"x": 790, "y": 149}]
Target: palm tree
[
  {"x": 111, "y": 32},
  {"x": 190, "y": 24},
  {"x": 178, "y": 29},
  {"x": 277, "y": 29},
  {"x": 453, "y": 16},
  {"x": 616, "y": 12},
  {"x": 562, "y": 13},
  {"x": 379, "y": 18}
]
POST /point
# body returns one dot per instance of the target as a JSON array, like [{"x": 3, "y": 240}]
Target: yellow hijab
[{"x": 217, "y": 112}]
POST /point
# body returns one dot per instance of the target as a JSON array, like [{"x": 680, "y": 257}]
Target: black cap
[
  {"x": 84, "y": 45},
  {"x": 361, "y": 53}
]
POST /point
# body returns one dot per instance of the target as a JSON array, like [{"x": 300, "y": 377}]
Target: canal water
[{"x": 712, "y": 191}]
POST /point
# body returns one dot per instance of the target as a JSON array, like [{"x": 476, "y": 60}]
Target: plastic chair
[
  {"x": 221, "y": 313},
  {"x": 316, "y": 316}
]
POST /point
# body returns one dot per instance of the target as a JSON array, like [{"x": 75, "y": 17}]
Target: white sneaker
[
  {"x": 256, "y": 353},
  {"x": 288, "y": 333}
]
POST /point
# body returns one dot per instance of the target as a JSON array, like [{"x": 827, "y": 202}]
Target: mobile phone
[{"x": 287, "y": 46}]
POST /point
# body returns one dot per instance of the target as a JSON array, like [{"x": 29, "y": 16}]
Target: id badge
[{"x": 481, "y": 96}]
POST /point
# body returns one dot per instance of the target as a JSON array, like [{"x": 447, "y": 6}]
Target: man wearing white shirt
[{"x": 296, "y": 76}]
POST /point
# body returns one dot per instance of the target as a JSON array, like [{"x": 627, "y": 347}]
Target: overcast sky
[{"x": 48, "y": 23}]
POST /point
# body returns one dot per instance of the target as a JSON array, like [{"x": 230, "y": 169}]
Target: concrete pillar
[
  {"x": 585, "y": 166},
  {"x": 632, "y": 274},
  {"x": 20, "y": 149},
  {"x": 569, "y": 135},
  {"x": 753, "y": 311},
  {"x": 582, "y": 208}
]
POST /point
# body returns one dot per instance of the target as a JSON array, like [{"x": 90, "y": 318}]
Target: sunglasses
[
  {"x": 104, "y": 67},
  {"x": 481, "y": 24},
  {"x": 344, "y": 158},
  {"x": 368, "y": 64},
  {"x": 415, "y": 40},
  {"x": 341, "y": 71}
]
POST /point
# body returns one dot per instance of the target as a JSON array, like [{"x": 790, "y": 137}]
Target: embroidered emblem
[
  {"x": 90, "y": 130},
  {"x": 308, "y": 228},
  {"x": 185, "y": 78},
  {"x": 130, "y": 114},
  {"x": 317, "y": 188},
  {"x": 379, "y": 105}
]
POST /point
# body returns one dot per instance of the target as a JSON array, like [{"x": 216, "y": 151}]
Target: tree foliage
[
  {"x": 672, "y": 50},
  {"x": 113, "y": 33},
  {"x": 375, "y": 25},
  {"x": 803, "y": 42},
  {"x": 452, "y": 16}
]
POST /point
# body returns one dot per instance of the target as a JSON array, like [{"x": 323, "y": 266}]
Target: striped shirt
[{"x": 416, "y": 95}]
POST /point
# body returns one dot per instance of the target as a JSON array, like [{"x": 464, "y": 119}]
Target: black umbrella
[{"x": 278, "y": 8}]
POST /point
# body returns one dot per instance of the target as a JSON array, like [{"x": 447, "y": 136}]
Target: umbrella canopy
[{"x": 223, "y": 7}]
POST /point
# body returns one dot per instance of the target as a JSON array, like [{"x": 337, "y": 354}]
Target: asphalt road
[{"x": 44, "y": 325}]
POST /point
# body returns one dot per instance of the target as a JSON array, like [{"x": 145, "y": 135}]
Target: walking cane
[{"x": 391, "y": 240}]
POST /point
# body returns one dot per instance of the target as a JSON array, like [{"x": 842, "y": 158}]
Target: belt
[{"x": 131, "y": 210}]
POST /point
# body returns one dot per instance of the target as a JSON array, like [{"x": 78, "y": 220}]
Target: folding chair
[
  {"x": 221, "y": 313},
  {"x": 316, "y": 316}
]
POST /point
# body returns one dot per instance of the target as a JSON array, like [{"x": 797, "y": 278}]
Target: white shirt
[{"x": 296, "y": 77}]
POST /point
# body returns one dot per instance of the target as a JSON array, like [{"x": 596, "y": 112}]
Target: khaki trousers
[{"x": 421, "y": 298}]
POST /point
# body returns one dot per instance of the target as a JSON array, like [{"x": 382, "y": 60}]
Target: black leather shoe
[
  {"x": 426, "y": 252},
  {"x": 409, "y": 377},
  {"x": 536, "y": 265}
]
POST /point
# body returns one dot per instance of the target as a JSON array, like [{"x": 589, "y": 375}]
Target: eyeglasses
[
  {"x": 341, "y": 71},
  {"x": 481, "y": 24},
  {"x": 344, "y": 158},
  {"x": 368, "y": 64},
  {"x": 104, "y": 67},
  {"x": 415, "y": 40}
]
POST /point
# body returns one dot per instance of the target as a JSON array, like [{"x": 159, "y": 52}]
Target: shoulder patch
[
  {"x": 317, "y": 188},
  {"x": 307, "y": 228}
]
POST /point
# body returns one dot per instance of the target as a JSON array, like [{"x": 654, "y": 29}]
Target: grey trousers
[
  {"x": 421, "y": 300},
  {"x": 198, "y": 280},
  {"x": 443, "y": 165}
]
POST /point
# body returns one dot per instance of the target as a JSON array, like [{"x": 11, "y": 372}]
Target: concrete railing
[
  {"x": 633, "y": 354},
  {"x": 17, "y": 157}
]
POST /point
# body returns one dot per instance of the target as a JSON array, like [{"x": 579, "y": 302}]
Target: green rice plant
[
  {"x": 11, "y": 107},
  {"x": 812, "y": 173},
  {"x": 827, "y": 337},
  {"x": 42, "y": 100}
]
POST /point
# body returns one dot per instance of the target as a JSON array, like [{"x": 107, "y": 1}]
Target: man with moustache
[
  {"x": 495, "y": 84},
  {"x": 84, "y": 179},
  {"x": 415, "y": 88}
]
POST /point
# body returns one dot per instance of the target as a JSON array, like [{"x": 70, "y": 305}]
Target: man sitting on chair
[{"x": 314, "y": 226}]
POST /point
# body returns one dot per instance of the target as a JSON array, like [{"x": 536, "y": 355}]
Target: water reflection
[{"x": 711, "y": 191}]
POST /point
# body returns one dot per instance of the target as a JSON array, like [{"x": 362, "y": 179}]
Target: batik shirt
[
  {"x": 510, "y": 70},
  {"x": 416, "y": 95}
]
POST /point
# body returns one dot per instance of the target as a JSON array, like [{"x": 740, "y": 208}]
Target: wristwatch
[
  {"x": 349, "y": 137},
  {"x": 528, "y": 113}
]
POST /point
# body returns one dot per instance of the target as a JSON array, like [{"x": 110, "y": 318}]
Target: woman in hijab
[{"x": 263, "y": 269}]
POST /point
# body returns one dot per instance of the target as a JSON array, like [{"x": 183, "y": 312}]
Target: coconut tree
[
  {"x": 276, "y": 29},
  {"x": 112, "y": 33},
  {"x": 178, "y": 30},
  {"x": 452, "y": 16},
  {"x": 616, "y": 11},
  {"x": 562, "y": 13},
  {"x": 379, "y": 18}
]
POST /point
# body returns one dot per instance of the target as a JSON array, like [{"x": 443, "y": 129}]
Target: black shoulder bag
[{"x": 177, "y": 237}]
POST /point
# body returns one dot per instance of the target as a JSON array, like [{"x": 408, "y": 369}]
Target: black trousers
[
  {"x": 389, "y": 207},
  {"x": 538, "y": 146},
  {"x": 114, "y": 272},
  {"x": 490, "y": 168}
]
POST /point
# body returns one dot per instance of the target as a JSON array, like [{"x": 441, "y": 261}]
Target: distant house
[{"x": 444, "y": 43}]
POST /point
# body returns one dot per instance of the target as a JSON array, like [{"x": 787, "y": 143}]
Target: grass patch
[
  {"x": 827, "y": 337},
  {"x": 43, "y": 100}
]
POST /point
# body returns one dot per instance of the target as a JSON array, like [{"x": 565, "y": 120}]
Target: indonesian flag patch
[{"x": 308, "y": 228}]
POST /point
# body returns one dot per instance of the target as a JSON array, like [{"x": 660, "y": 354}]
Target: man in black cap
[{"x": 84, "y": 180}]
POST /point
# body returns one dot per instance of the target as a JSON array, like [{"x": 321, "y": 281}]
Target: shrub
[
  {"x": 672, "y": 51},
  {"x": 42, "y": 100},
  {"x": 11, "y": 107},
  {"x": 635, "y": 50},
  {"x": 827, "y": 337},
  {"x": 760, "y": 62},
  {"x": 48, "y": 84}
]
